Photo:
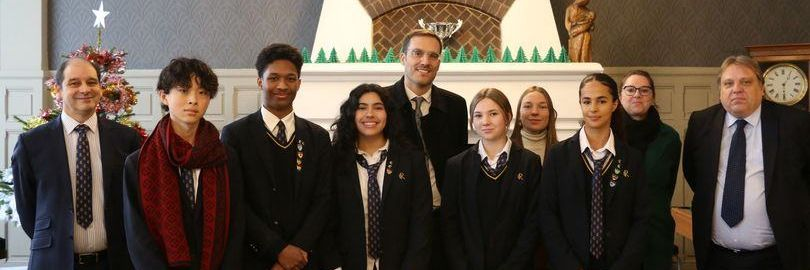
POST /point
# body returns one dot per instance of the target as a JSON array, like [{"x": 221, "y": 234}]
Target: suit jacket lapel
[
  {"x": 389, "y": 179},
  {"x": 260, "y": 140},
  {"x": 107, "y": 153},
  {"x": 57, "y": 137},
  {"x": 713, "y": 141},
  {"x": 302, "y": 137},
  {"x": 616, "y": 161},
  {"x": 770, "y": 142},
  {"x": 578, "y": 167},
  {"x": 509, "y": 175},
  {"x": 472, "y": 165}
]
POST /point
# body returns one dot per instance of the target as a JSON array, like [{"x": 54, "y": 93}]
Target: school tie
[
  {"x": 417, "y": 113},
  {"x": 374, "y": 205},
  {"x": 187, "y": 176},
  {"x": 597, "y": 205},
  {"x": 499, "y": 167},
  {"x": 734, "y": 189},
  {"x": 84, "y": 179},
  {"x": 281, "y": 136}
]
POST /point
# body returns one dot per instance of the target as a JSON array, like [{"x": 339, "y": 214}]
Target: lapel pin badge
[{"x": 402, "y": 176}]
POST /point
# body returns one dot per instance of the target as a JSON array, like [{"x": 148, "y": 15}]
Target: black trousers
[
  {"x": 721, "y": 258},
  {"x": 437, "y": 258}
]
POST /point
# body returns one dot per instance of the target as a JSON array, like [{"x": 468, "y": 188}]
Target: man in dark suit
[
  {"x": 434, "y": 119},
  {"x": 748, "y": 162},
  {"x": 67, "y": 179},
  {"x": 285, "y": 165}
]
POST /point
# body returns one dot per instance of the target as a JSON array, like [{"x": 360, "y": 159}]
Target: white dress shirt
[
  {"x": 271, "y": 123},
  {"x": 609, "y": 148},
  {"x": 425, "y": 108},
  {"x": 195, "y": 173},
  {"x": 493, "y": 161},
  {"x": 362, "y": 173},
  {"x": 754, "y": 231},
  {"x": 94, "y": 237}
]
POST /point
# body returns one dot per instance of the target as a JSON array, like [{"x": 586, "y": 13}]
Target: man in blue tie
[
  {"x": 67, "y": 179},
  {"x": 748, "y": 162}
]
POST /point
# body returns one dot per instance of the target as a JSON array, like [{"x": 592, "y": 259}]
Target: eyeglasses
[
  {"x": 417, "y": 53},
  {"x": 630, "y": 90}
]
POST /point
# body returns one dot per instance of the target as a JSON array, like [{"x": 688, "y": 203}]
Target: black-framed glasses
[{"x": 631, "y": 90}]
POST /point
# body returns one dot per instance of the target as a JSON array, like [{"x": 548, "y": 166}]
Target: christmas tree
[
  {"x": 333, "y": 56},
  {"x": 563, "y": 56},
  {"x": 447, "y": 56},
  {"x": 491, "y": 58},
  {"x": 364, "y": 56},
  {"x": 536, "y": 55},
  {"x": 461, "y": 57},
  {"x": 321, "y": 57},
  {"x": 352, "y": 57},
  {"x": 550, "y": 57},
  {"x": 475, "y": 57},
  {"x": 305, "y": 55},
  {"x": 521, "y": 56},
  {"x": 389, "y": 57},
  {"x": 507, "y": 56},
  {"x": 375, "y": 57}
]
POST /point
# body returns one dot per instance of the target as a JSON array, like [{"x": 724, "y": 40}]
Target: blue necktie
[
  {"x": 374, "y": 205},
  {"x": 499, "y": 167},
  {"x": 597, "y": 205},
  {"x": 281, "y": 136},
  {"x": 84, "y": 179},
  {"x": 734, "y": 189}
]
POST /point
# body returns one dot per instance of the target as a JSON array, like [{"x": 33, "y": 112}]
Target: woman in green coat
[{"x": 661, "y": 147}]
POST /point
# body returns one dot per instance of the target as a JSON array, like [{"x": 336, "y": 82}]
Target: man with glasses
[
  {"x": 434, "y": 119},
  {"x": 285, "y": 167}
]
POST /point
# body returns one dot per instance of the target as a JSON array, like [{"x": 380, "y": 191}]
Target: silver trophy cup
[{"x": 444, "y": 30}]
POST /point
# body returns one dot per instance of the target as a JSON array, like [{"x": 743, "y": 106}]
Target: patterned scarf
[{"x": 162, "y": 153}]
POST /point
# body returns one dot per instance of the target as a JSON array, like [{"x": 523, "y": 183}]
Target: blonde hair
[
  {"x": 551, "y": 129},
  {"x": 495, "y": 95}
]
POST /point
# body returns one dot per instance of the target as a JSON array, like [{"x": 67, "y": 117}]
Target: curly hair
[
  {"x": 278, "y": 51},
  {"x": 179, "y": 73}
]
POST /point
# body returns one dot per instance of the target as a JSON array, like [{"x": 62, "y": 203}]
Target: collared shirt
[
  {"x": 195, "y": 173},
  {"x": 94, "y": 238},
  {"x": 609, "y": 148},
  {"x": 425, "y": 108},
  {"x": 362, "y": 173},
  {"x": 271, "y": 122},
  {"x": 493, "y": 161},
  {"x": 754, "y": 231}
]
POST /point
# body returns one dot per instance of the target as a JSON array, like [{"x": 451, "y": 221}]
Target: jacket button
[
  {"x": 275, "y": 222},
  {"x": 274, "y": 189}
]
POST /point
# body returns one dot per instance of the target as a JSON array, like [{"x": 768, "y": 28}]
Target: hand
[
  {"x": 292, "y": 257},
  {"x": 277, "y": 267}
]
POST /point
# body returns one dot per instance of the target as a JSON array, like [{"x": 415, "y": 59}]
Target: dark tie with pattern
[
  {"x": 84, "y": 179},
  {"x": 734, "y": 189},
  {"x": 597, "y": 205},
  {"x": 502, "y": 158},
  {"x": 374, "y": 205},
  {"x": 417, "y": 113},
  {"x": 281, "y": 136},
  {"x": 187, "y": 176}
]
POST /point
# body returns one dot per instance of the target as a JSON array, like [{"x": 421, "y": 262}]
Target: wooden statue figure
[{"x": 579, "y": 23}]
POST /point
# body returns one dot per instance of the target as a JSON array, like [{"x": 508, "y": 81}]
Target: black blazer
[
  {"x": 786, "y": 153},
  {"x": 444, "y": 128},
  {"x": 406, "y": 210},
  {"x": 44, "y": 196},
  {"x": 515, "y": 235},
  {"x": 566, "y": 201},
  {"x": 146, "y": 253},
  {"x": 269, "y": 231}
]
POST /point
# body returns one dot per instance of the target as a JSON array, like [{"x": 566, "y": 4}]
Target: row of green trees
[{"x": 460, "y": 56}]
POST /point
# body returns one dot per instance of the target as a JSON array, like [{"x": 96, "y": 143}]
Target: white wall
[
  {"x": 344, "y": 24},
  {"x": 530, "y": 23}
]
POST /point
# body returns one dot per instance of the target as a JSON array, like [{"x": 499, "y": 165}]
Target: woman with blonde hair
[{"x": 535, "y": 122}]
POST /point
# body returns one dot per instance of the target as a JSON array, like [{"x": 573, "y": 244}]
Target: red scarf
[{"x": 161, "y": 156}]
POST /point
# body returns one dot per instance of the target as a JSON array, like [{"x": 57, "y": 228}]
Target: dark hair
[
  {"x": 616, "y": 117},
  {"x": 180, "y": 71},
  {"x": 406, "y": 41},
  {"x": 641, "y": 73},
  {"x": 551, "y": 129},
  {"x": 345, "y": 130},
  {"x": 60, "y": 73},
  {"x": 278, "y": 51}
]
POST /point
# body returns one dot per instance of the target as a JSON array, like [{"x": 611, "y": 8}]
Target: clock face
[{"x": 785, "y": 83}]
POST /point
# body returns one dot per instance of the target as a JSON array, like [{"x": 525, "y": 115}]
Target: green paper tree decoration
[
  {"x": 550, "y": 57},
  {"x": 475, "y": 57},
  {"x": 321, "y": 57},
  {"x": 305, "y": 55},
  {"x": 375, "y": 57},
  {"x": 521, "y": 56},
  {"x": 507, "y": 56},
  {"x": 352, "y": 57},
  {"x": 447, "y": 56},
  {"x": 536, "y": 55},
  {"x": 364, "y": 56},
  {"x": 333, "y": 56},
  {"x": 563, "y": 56},
  {"x": 389, "y": 57},
  {"x": 461, "y": 56},
  {"x": 490, "y": 58}
]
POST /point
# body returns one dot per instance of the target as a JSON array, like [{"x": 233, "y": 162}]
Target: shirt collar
[
  {"x": 505, "y": 149},
  {"x": 69, "y": 124},
  {"x": 271, "y": 120},
  {"x": 752, "y": 119},
  {"x": 610, "y": 146},
  {"x": 374, "y": 156},
  {"x": 412, "y": 95}
]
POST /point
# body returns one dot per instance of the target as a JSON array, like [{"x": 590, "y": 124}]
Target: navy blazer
[
  {"x": 786, "y": 153},
  {"x": 268, "y": 229},
  {"x": 406, "y": 206},
  {"x": 515, "y": 235},
  {"x": 44, "y": 195},
  {"x": 564, "y": 208}
]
